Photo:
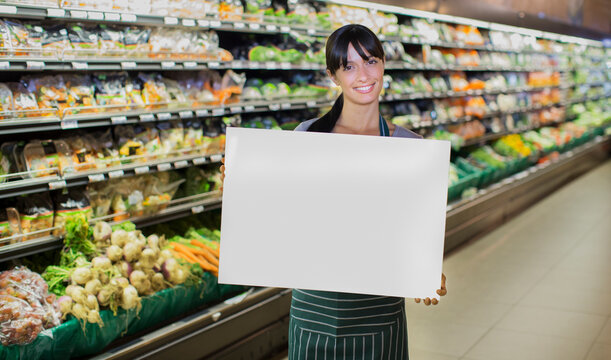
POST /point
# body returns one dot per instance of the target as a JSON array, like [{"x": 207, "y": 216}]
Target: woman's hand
[
  {"x": 222, "y": 173},
  {"x": 440, "y": 292}
]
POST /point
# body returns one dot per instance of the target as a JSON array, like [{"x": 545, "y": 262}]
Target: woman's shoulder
[
  {"x": 403, "y": 132},
  {"x": 305, "y": 125}
]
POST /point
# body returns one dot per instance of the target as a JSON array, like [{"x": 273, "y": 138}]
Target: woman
[{"x": 330, "y": 325}]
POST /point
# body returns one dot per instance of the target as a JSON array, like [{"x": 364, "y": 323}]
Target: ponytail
[{"x": 327, "y": 122}]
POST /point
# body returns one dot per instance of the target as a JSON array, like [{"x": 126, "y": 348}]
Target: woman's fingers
[
  {"x": 427, "y": 301},
  {"x": 442, "y": 292},
  {"x": 417, "y": 300}
]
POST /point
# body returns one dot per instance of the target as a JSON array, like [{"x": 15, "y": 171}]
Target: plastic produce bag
[
  {"x": 36, "y": 213},
  {"x": 69, "y": 203},
  {"x": 110, "y": 90},
  {"x": 81, "y": 93},
  {"x": 24, "y": 102}
]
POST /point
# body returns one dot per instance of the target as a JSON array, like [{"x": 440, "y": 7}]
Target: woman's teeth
[{"x": 364, "y": 88}]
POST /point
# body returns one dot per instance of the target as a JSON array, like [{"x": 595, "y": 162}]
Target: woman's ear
[{"x": 333, "y": 78}]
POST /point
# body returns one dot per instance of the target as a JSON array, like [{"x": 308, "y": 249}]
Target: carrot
[
  {"x": 212, "y": 266},
  {"x": 192, "y": 258},
  {"x": 200, "y": 244},
  {"x": 207, "y": 255}
]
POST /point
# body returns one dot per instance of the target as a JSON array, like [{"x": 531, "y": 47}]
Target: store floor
[{"x": 538, "y": 287}]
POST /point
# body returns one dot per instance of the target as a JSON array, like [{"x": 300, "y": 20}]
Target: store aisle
[{"x": 537, "y": 288}]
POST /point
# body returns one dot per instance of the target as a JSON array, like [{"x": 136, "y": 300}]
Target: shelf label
[
  {"x": 254, "y": 26},
  {"x": 95, "y": 15},
  {"x": 56, "y": 12},
  {"x": 170, "y": 20},
  {"x": 164, "y": 116},
  {"x": 141, "y": 170},
  {"x": 116, "y": 174},
  {"x": 237, "y": 63},
  {"x": 4, "y": 65},
  {"x": 218, "y": 111},
  {"x": 190, "y": 64},
  {"x": 249, "y": 108},
  {"x": 197, "y": 209},
  {"x": 311, "y": 31},
  {"x": 187, "y": 114},
  {"x": 216, "y": 158},
  {"x": 147, "y": 117},
  {"x": 168, "y": 64},
  {"x": 253, "y": 65},
  {"x": 188, "y": 22},
  {"x": 285, "y": 106},
  {"x": 235, "y": 109},
  {"x": 203, "y": 23},
  {"x": 285, "y": 29},
  {"x": 215, "y": 24},
  {"x": 181, "y": 164},
  {"x": 270, "y": 65},
  {"x": 54, "y": 185},
  {"x": 78, "y": 14},
  {"x": 239, "y": 25},
  {"x": 164, "y": 167},
  {"x": 311, "y": 104},
  {"x": 69, "y": 124},
  {"x": 213, "y": 64},
  {"x": 129, "y": 17},
  {"x": 128, "y": 65},
  {"x": 285, "y": 65},
  {"x": 271, "y": 27},
  {"x": 35, "y": 65},
  {"x": 112, "y": 17},
  {"x": 199, "y": 161},
  {"x": 274, "y": 107},
  {"x": 96, "y": 178},
  {"x": 202, "y": 112},
  {"x": 115, "y": 120},
  {"x": 80, "y": 65}
]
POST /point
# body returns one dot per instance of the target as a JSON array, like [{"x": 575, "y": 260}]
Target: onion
[
  {"x": 81, "y": 275},
  {"x": 114, "y": 253},
  {"x": 119, "y": 237},
  {"x": 130, "y": 298},
  {"x": 92, "y": 302},
  {"x": 158, "y": 282},
  {"x": 94, "y": 317},
  {"x": 93, "y": 286},
  {"x": 101, "y": 262},
  {"x": 102, "y": 231},
  {"x": 77, "y": 293},
  {"x": 131, "y": 251},
  {"x": 65, "y": 304},
  {"x": 105, "y": 295}
]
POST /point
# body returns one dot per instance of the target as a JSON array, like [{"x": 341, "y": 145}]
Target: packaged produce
[
  {"x": 194, "y": 136},
  {"x": 469, "y": 35},
  {"x": 468, "y": 130},
  {"x": 110, "y": 90},
  {"x": 148, "y": 135},
  {"x": 133, "y": 93},
  {"x": 127, "y": 143},
  {"x": 476, "y": 106},
  {"x": 214, "y": 137},
  {"x": 81, "y": 93},
  {"x": 26, "y": 307},
  {"x": 176, "y": 97},
  {"x": 171, "y": 135},
  {"x": 69, "y": 203},
  {"x": 36, "y": 213},
  {"x": 55, "y": 40},
  {"x": 82, "y": 147},
  {"x": 18, "y": 36},
  {"x": 154, "y": 92},
  {"x": 512, "y": 145},
  {"x": 50, "y": 91},
  {"x": 24, "y": 102},
  {"x": 231, "y": 10},
  {"x": 84, "y": 39},
  {"x": 6, "y": 101},
  {"x": 136, "y": 41},
  {"x": 159, "y": 190},
  {"x": 110, "y": 40}
]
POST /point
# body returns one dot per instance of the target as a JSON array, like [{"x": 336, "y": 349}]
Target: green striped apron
[{"x": 331, "y": 325}]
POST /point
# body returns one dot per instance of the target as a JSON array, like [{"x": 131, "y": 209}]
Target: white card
[{"x": 334, "y": 212}]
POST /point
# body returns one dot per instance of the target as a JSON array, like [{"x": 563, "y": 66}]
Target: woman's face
[{"x": 360, "y": 80}]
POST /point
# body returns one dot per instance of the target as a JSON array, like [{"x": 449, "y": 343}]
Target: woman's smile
[{"x": 365, "y": 89}]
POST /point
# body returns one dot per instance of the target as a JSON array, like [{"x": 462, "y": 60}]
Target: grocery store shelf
[
  {"x": 247, "y": 318},
  {"x": 490, "y": 207},
  {"x": 452, "y": 94},
  {"x": 585, "y": 99},
  {"x": 400, "y": 65},
  {"x": 97, "y": 116},
  {"x": 54, "y": 182},
  {"x": 29, "y": 247},
  {"x": 489, "y": 137}
]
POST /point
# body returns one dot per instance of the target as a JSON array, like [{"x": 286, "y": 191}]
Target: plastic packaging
[
  {"x": 36, "y": 213},
  {"x": 84, "y": 39},
  {"x": 69, "y": 203},
  {"x": 136, "y": 41},
  {"x": 50, "y": 91},
  {"x": 81, "y": 93},
  {"x": 23, "y": 100},
  {"x": 6, "y": 101},
  {"x": 110, "y": 90},
  {"x": 55, "y": 40},
  {"x": 111, "y": 41}
]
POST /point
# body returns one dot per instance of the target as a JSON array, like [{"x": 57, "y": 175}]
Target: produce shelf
[
  {"x": 54, "y": 182},
  {"x": 176, "y": 209},
  {"x": 400, "y": 65},
  {"x": 493, "y": 136},
  {"x": 452, "y": 94}
]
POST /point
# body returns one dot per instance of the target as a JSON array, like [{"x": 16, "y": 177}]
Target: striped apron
[{"x": 330, "y": 325}]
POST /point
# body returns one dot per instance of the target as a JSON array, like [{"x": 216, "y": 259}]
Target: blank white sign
[{"x": 347, "y": 213}]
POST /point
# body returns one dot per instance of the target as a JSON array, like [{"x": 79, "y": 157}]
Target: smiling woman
[{"x": 332, "y": 325}]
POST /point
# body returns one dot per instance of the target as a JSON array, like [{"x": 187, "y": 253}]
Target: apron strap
[{"x": 384, "y": 131}]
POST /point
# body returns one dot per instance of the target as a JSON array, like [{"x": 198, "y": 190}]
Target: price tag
[
  {"x": 164, "y": 167},
  {"x": 190, "y": 64},
  {"x": 249, "y": 108},
  {"x": 235, "y": 109},
  {"x": 35, "y": 65},
  {"x": 94, "y": 15},
  {"x": 78, "y": 14},
  {"x": 254, "y": 26},
  {"x": 274, "y": 107},
  {"x": 311, "y": 104},
  {"x": 213, "y": 65},
  {"x": 216, "y": 158},
  {"x": 270, "y": 65},
  {"x": 116, "y": 174},
  {"x": 56, "y": 12},
  {"x": 96, "y": 178},
  {"x": 271, "y": 27},
  {"x": 202, "y": 112},
  {"x": 311, "y": 31},
  {"x": 285, "y": 29},
  {"x": 168, "y": 64},
  {"x": 215, "y": 24},
  {"x": 253, "y": 65},
  {"x": 203, "y": 23},
  {"x": 197, "y": 209},
  {"x": 436, "y": 94},
  {"x": 218, "y": 111},
  {"x": 129, "y": 17},
  {"x": 141, "y": 170},
  {"x": 285, "y": 65},
  {"x": 164, "y": 116},
  {"x": 80, "y": 65},
  {"x": 112, "y": 17},
  {"x": 57, "y": 184},
  {"x": 115, "y": 120},
  {"x": 147, "y": 117},
  {"x": 239, "y": 25},
  {"x": 126, "y": 65},
  {"x": 199, "y": 161},
  {"x": 181, "y": 164},
  {"x": 69, "y": 124},
  {"x": 187, "y": 114},
  {"x": 285, "y": 106},
  {"x": 237, "y": 64},
  {"x": 169, "y": 20},
  {"x": 4, "y": 65},
  {"x": 188, "y": 22}
]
